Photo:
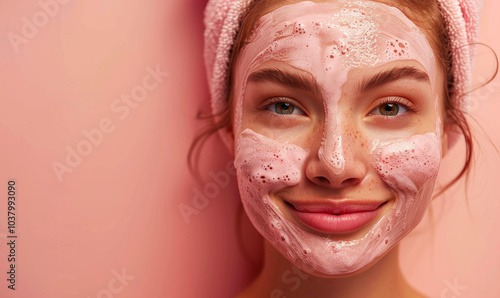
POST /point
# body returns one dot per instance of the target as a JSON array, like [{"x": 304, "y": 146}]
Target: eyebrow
[
  {"x": 392, "y": 75},
  {"x": 291, "y": 79}
]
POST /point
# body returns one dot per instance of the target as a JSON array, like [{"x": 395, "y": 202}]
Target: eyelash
[
  {"x": 278, "y": 99},
  {"x": 408, "y": 105}
]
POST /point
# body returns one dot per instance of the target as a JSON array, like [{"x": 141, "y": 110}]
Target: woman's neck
[{"x": 280, "y": 278}]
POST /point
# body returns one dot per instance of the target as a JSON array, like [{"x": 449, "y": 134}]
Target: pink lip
[{"x": 337, "y": 217}]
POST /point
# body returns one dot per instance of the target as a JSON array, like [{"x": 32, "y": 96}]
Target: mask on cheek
[{"x": 264, "y": 166}]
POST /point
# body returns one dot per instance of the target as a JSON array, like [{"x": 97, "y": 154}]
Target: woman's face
[{"x": 337, "y": 131}]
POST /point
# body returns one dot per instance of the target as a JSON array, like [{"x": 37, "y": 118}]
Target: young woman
[{"x": 338, "y": 114}]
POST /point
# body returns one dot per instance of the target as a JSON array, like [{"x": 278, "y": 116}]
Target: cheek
[
  {"x": 265, "y": 165},
  {"x": 410, "y": 169}
]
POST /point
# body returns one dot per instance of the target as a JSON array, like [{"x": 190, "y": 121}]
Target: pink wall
[{"x": 108, "y": 92}]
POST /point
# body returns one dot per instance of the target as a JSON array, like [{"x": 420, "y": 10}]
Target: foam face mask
[{"x": 328, "y": 40}]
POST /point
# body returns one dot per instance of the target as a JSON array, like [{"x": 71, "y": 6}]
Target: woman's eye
[
  {"x": 284, "y": 108},
  {"x": 389, "y": 109}
]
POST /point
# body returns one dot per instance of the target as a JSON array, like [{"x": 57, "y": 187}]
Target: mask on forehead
[{"x": 328, "y": 40}]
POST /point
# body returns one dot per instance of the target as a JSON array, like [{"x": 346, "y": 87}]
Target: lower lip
[{"x": 343, "y": 223}]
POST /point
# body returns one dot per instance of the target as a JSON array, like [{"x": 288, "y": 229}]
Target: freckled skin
[{"x": 273, "y": 160}]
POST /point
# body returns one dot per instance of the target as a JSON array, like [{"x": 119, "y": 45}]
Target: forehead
[{"x": 337, "y": 35}]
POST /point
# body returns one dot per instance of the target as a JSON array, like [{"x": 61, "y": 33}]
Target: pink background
[{"x": 116, "y": 213}]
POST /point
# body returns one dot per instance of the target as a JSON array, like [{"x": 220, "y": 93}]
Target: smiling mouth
[{"x": 340, "y": 217}]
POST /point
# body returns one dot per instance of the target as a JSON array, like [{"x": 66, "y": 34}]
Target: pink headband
[{"x": 222, "y": 22}]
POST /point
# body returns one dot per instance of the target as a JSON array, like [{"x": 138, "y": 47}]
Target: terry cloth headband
[{"x": 222, "y": 22}]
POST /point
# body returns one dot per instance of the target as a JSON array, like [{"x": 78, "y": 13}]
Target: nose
[{"x": 339, "y": 161}]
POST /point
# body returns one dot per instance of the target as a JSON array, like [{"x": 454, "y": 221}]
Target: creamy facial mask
[{"x": 328, "y": 40}]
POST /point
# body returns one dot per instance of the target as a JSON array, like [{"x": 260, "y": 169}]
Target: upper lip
[{"x": 336, "y": 206}]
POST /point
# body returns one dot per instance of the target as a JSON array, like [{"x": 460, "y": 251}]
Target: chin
[{"x": 327, "y": 274}]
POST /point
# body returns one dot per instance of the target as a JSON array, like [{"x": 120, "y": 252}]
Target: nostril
[
  {"x": 322, "y": 180},
  {"x": 350, "y": 181}
]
